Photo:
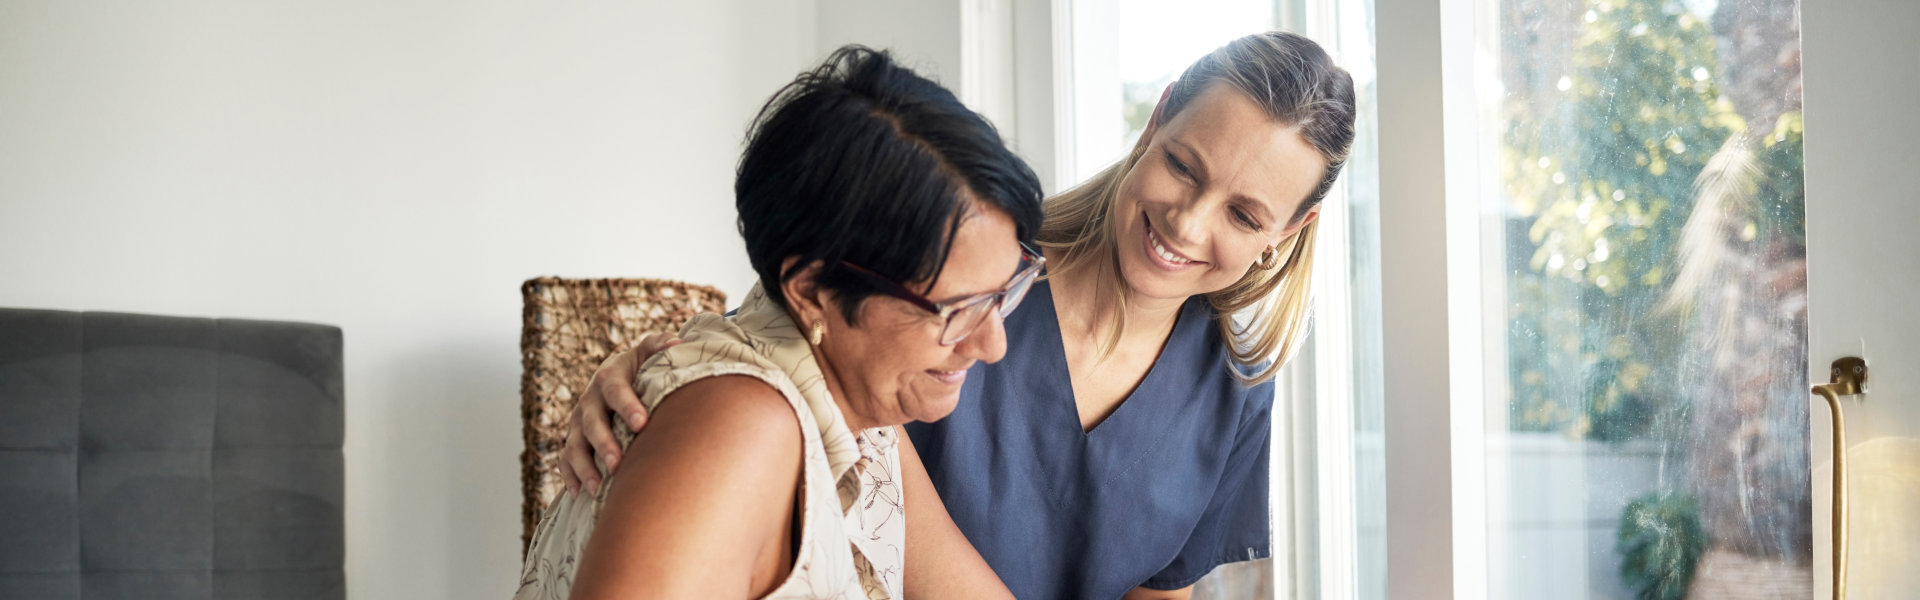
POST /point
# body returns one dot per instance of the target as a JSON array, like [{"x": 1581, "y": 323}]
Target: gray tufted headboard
[{"x": 164, "y": 457}]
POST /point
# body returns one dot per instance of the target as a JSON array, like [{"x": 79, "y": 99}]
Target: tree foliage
[
  {"x": 1661, "y": 541},
  {"x": 1600, "y": 176}
]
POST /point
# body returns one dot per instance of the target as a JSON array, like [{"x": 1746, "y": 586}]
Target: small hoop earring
[
  {"x": 1267, "y": 259},
  {"x": 819, "y": 332}
]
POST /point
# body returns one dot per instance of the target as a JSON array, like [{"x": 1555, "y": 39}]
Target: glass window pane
[
  {"x": 1645, "y": 246},
  {"x": 1125, "y": 52}
]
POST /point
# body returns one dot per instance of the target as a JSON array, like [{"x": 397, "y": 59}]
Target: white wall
[
  {"x": 923, "y": 34},
  {"x": 970, "y": 47},
  {"x": 1862, "y": 73},
  {"x": 396, "y": 168}
]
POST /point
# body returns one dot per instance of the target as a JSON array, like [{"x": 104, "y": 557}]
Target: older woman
[
  {"x": 1124, "y": 451},
  {"x": 770, "y": 467}
]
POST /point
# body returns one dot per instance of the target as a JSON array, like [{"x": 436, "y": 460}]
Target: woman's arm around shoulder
[{"x": 707, "y": 513}]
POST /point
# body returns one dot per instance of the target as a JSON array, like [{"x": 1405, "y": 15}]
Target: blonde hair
[{"x": 1296, "y": 83}]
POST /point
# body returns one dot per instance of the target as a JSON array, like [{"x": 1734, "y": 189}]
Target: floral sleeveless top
[{"x": 853, "y": 520}]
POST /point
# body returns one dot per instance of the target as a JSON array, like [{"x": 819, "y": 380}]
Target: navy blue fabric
[{"x": 1170, "y": 485}]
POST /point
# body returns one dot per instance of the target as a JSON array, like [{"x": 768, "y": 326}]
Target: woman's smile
[
  {"x": 952, "y": 378},
  {"x": 1161, "y": 254}
]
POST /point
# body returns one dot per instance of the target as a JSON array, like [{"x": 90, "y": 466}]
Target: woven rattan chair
[{"x": 569, "y": 327}]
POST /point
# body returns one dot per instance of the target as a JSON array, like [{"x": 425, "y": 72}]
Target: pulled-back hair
[
  {"x": 1295, "y": 83},
  {"x": 864, "y": 161}
]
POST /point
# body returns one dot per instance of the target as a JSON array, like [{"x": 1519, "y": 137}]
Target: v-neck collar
[{"x": 1148, "y": 397}]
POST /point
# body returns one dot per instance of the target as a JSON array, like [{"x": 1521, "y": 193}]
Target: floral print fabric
[{"x": 853, "y": 529}]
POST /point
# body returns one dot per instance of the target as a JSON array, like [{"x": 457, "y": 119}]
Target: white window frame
[
  {"x": 1434, "y": 360},
  {"x": 1033, "y": 83},
  {"x": 1321, "y": 394}
]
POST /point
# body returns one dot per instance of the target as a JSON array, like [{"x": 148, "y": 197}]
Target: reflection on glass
[{"x": 1649, "y": 436}]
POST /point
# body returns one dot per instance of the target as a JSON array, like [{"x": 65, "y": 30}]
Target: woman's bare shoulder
[
  {"x": 713, "y": 480},
  {"x": 730, "y": 418}
]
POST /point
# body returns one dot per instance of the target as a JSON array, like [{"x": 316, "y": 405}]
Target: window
[
  {"x": 1125, "y": 52},
  {"x": 1586, "y": 284},
  {"x": 1636, "y": 177}
]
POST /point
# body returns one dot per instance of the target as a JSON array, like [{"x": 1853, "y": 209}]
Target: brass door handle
[{"x": 1849, "y": 378}]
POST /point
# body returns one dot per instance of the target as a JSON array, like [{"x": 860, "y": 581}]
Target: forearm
[
  {"x": 1146, "y": 593},
  {"x": 941, "y": 563}
]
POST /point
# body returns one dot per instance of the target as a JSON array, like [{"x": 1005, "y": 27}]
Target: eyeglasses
[{"x": 966, "y": 314}]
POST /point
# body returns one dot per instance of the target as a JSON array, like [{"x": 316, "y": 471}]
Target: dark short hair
[{"x": 864, "y": 161}]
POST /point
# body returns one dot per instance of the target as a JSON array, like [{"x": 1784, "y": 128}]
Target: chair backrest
[
  {"x": 165, "y": 457},
  {"x": 569, "y": 327}
]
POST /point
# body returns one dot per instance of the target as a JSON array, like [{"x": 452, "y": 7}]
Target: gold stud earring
[
  {"x": 1267, "y": 259},
  {"x": 819, "y": 332}
]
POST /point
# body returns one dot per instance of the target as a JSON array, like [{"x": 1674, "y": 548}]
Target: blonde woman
[{"x": 1121, "y": 450}]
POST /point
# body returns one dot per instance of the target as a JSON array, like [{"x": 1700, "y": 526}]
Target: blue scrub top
[{"x": 1170, "y": 485}]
